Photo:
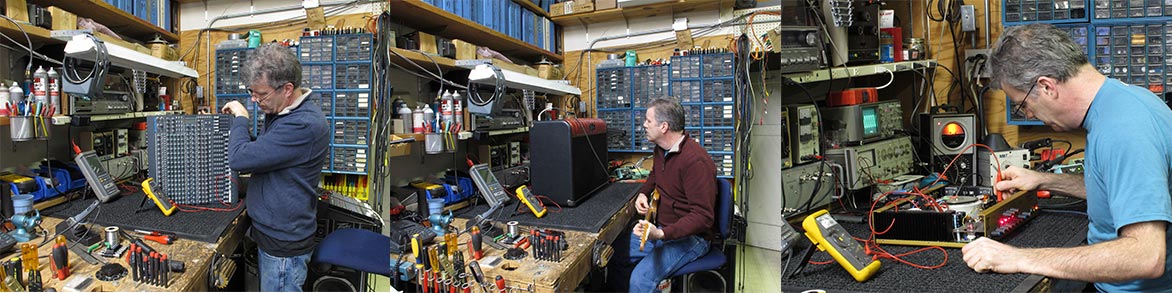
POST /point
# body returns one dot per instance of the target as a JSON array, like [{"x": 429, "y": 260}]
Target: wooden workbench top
[
  {"x": 544, "y": 276},
  {"x": 194, "y": 254}
]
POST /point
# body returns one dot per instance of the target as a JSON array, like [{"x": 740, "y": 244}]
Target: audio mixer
[{"x": 189, "y": 158}]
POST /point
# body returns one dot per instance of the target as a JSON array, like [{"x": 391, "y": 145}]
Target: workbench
[
  {"x": 195, "y": 255},
  {"x": 1049, "y": 229},
  {"x": 546, "y": 276}
]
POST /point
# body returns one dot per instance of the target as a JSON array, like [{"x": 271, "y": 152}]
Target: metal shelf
[
  {"x": 862, "y": 70},
  {"x": 63, "y": 120}
]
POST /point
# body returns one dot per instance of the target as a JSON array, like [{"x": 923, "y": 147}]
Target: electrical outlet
[
  {"x": 968, "y": 18},
  {"x": 969, "y": 53}
]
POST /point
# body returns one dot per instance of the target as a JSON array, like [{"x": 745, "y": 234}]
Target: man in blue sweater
[{"x": 285, "y": 161}]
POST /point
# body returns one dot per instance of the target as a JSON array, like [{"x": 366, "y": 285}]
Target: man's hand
[
  {"x": 235, "y": 108},
  {"x": 654, "y": 234},
  {"x": 987, "y": 255},
  {"x": 1016, "y": 178},
  {"x": 641, "y": 204}
]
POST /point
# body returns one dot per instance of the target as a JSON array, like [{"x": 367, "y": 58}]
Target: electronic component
[
  {"x": 110, "y": 102},
  {"x": 829, "y": 236},
  {"x": 97, "y": 178},
  {"x": 489, "y": 187},
  {"x": 804, "y": 136},
  {"x": 867, "y": 164},
  {"x": 969, "y": 216},
  {"x": 987, "y": 168},
  {"x": 942, "y": 138},
  {"x": 531, "y": 201},
  {"x": 863, "y": 32},
  {"x": 156, "y": 194},
  {"x": 855, "y": 124},
  {"x": 798, "y": 46},
  {"x": 813, "y": 183},
  {"x": 189, "y": 158}
]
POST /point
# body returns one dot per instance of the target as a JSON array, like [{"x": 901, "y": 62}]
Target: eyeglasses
[
  {"x": 1017, "y": 110},
  {"x": 266, "y": 96}
]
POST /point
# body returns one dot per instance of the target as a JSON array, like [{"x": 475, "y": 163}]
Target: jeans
[
  {"x": 659, "y": 259},
  {"x": 282, "y": 274}
]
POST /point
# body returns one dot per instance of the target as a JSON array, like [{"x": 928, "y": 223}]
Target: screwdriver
[
  {"x": 477, "y": 253},
  {"x": 415, "y": 243},
  {"x": 60, "y": 259}
]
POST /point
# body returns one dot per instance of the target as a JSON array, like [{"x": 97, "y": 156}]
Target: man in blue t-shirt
[
  {"x": 285, "y": 161},
  {"x": 1128, "y": 158}
]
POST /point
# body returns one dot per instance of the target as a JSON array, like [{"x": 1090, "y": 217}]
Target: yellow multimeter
[
  {"x": 531, "y": 201},
  {"x": 156, "y": 194},
  {"x": 829, "y": 236}
]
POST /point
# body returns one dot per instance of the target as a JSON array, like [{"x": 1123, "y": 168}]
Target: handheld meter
[
  {"x": 531, "y": 201},
  {"x": 829, "y": 236},
  {"x": 156, "y": 194}
]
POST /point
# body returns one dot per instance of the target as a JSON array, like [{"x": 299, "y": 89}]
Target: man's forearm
[
  {"x": 1124, "y": 259},
  {"x": 1065, "y": 183}
]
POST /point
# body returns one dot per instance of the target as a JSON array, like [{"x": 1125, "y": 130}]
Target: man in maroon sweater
[{"x": 686, "y": 179}]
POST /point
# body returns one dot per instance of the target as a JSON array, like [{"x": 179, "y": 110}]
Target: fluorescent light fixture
[
  {"x": 82, "y": 47},
  {"x": 485, "y": 74}
]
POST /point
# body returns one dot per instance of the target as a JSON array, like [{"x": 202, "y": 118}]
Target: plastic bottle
[
  {"x": 417, "y": 120},
  {"x": 15, "y": 93},
  {"x": 458, "y": 107},
  {"x": 41, "y": 85},
  {"x": 405, "y": 114},
  {"x": 397, "y": 104},
  {"x": 55, "y": 90},
  {"x": 446, "y": 110},
  {"x": 429, "y": 118}
]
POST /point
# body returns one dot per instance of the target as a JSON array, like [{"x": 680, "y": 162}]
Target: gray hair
[
  {"x": 273, "y": 64},
  {"x": 670, "y": 111},
  {"x": 1027, "y": 52}
]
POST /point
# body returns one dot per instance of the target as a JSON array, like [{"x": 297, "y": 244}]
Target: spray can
[
  {"x": 15, "y": 93},
  {"x": 55, "y": 90},
  {"x": 405, "y": 114},
  {"x": 41, "y": 85},
  {"x": 417, "y": 120},
  {"x": 429, "y": 118},
  {"x": 446, "y": 110},
  {"x": 458, "y": 107},
  {"x": 4, "y": 102}
]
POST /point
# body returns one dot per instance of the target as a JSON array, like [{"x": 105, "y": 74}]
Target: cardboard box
[
  {"x": 571, "y": 7},
  {"x": 63, "y": 20},
  {"x": 605, "y": 4}
]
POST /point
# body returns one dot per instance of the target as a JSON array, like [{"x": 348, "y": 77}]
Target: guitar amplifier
[{"x": 567, "y": 159}]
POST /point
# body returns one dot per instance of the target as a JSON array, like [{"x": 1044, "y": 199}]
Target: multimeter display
[{"x": 530, "y": 200}]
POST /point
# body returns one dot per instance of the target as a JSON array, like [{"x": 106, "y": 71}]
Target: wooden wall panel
[{"x": 941, "y": 49}]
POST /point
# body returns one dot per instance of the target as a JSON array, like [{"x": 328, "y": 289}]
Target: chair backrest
[{"x": 724, "y": 207}]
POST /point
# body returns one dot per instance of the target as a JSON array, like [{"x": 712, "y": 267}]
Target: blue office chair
[
  {"x": 356, "y": 249},
  {"x": 714, "y": 259}
]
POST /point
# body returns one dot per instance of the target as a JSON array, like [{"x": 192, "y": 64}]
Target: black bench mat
[
  {"x": 206, "y": 226},
  {"x": 589, "y": 216}
]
